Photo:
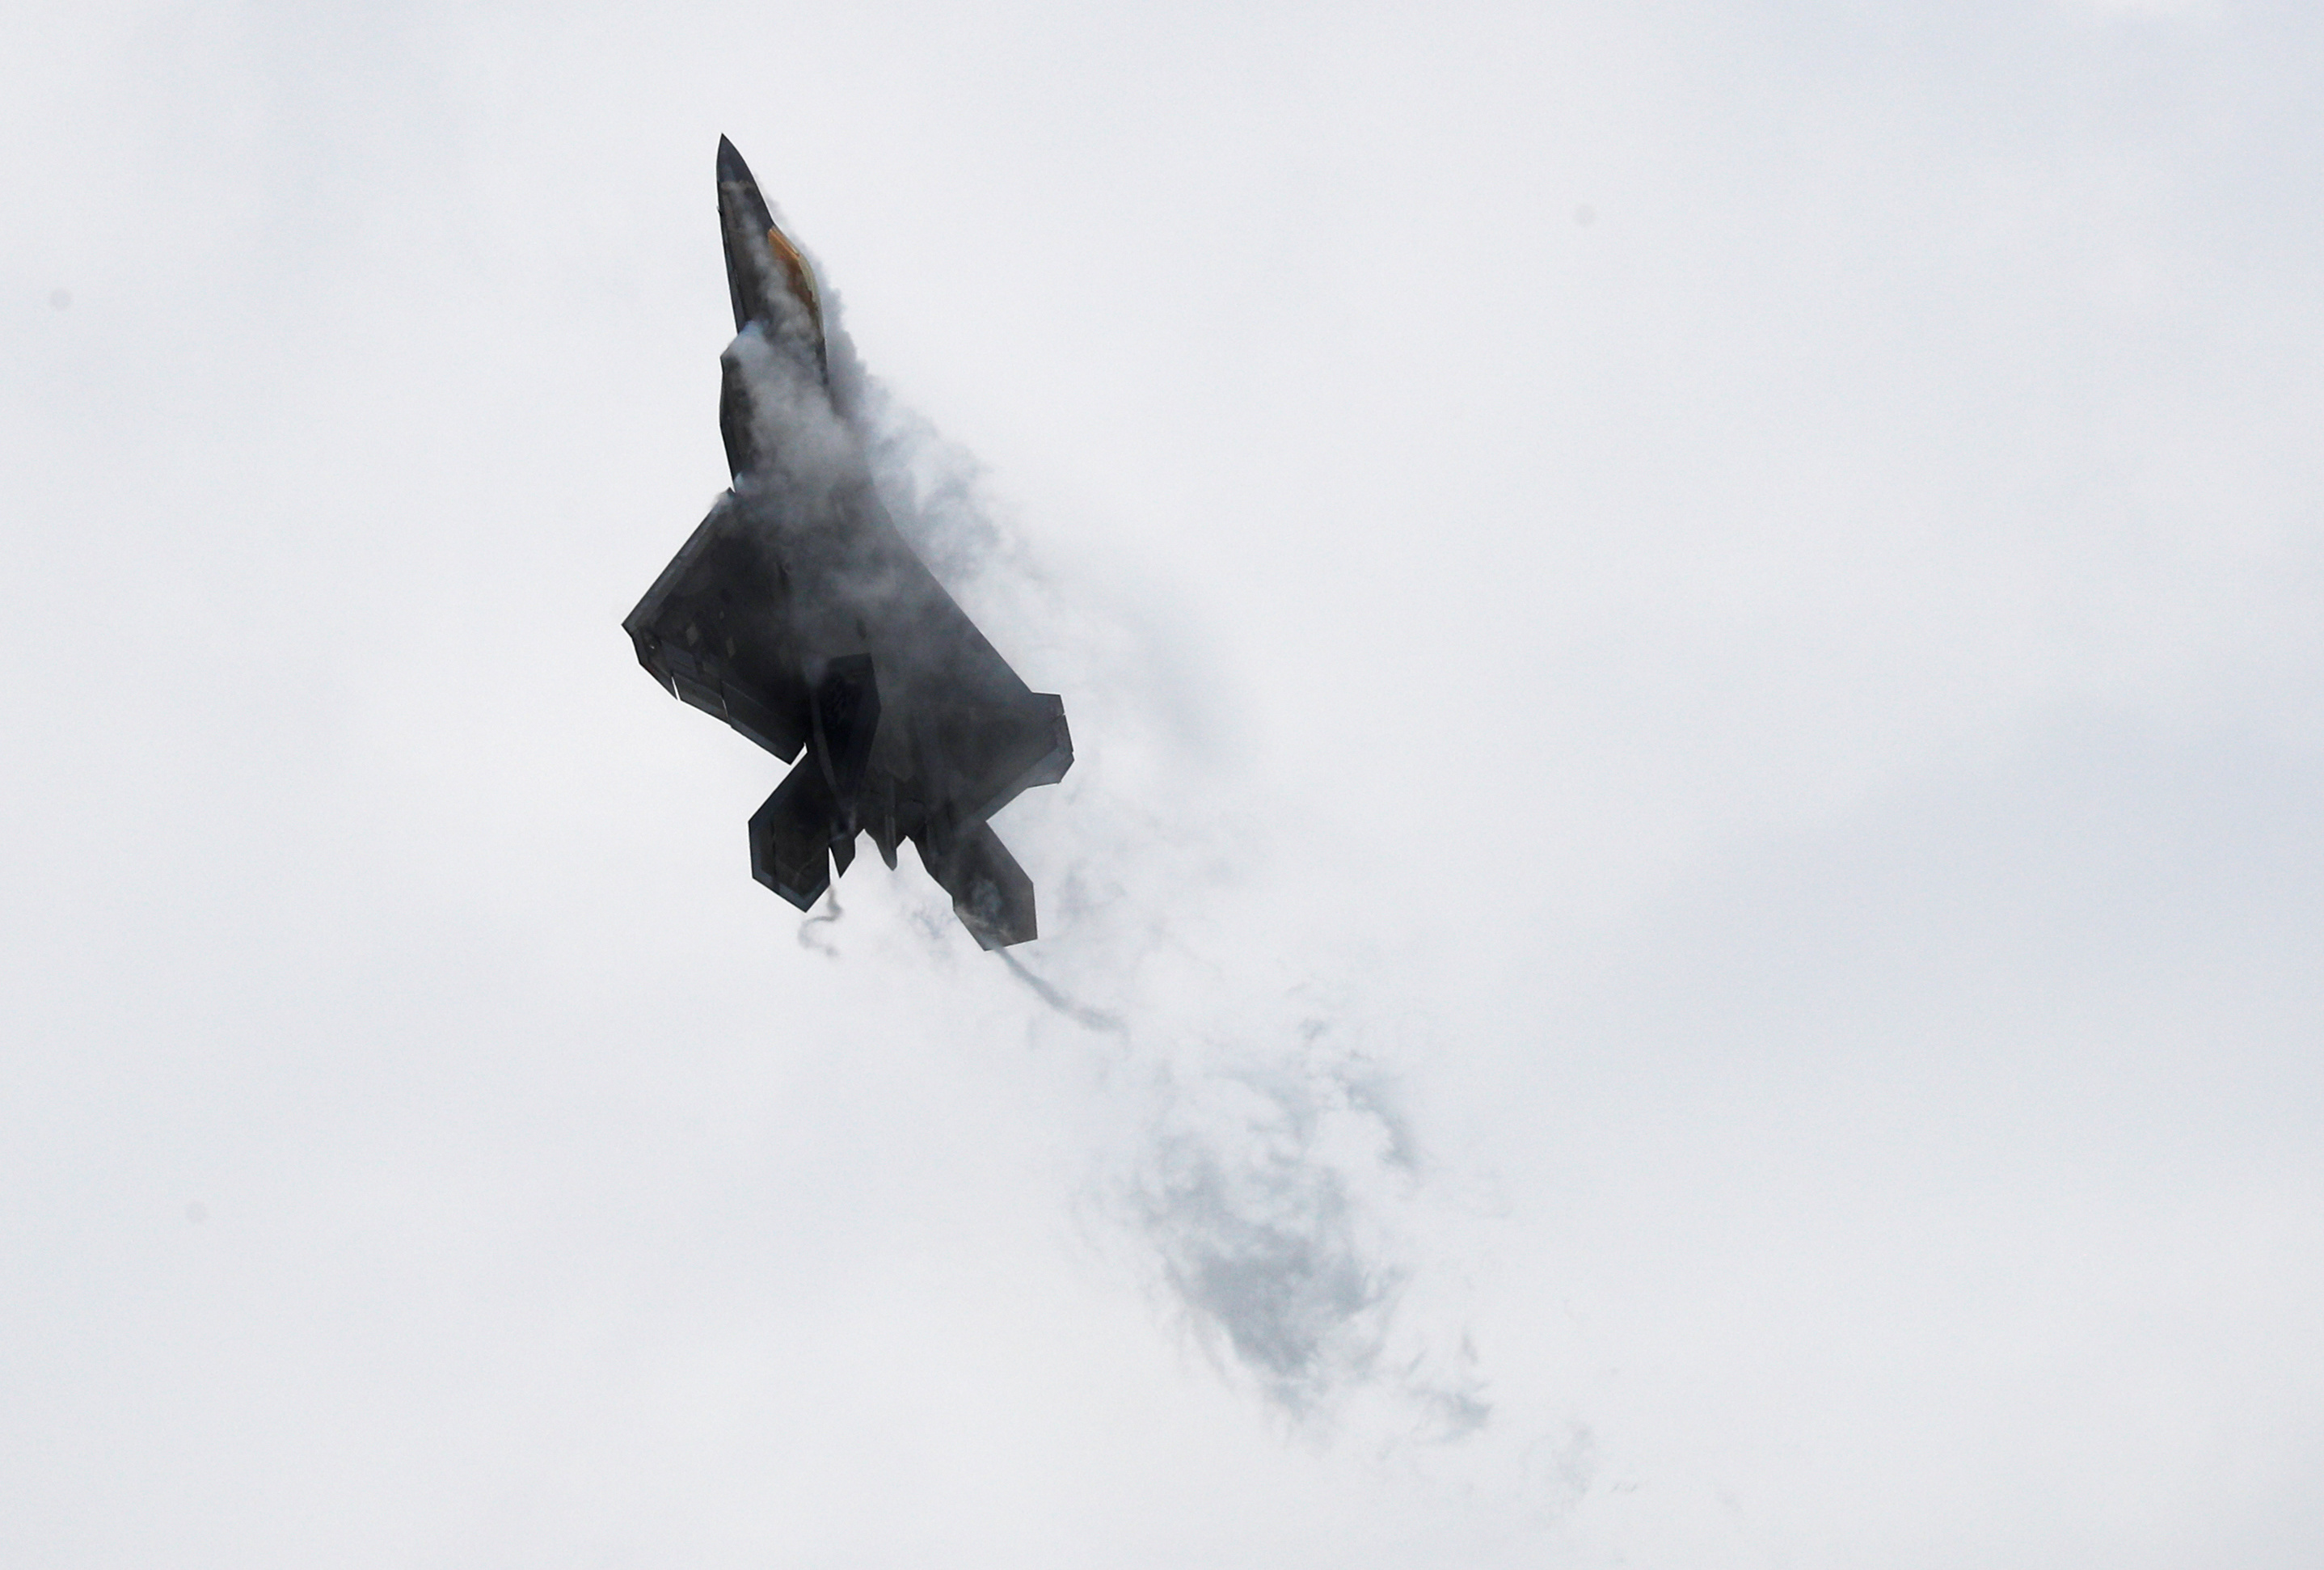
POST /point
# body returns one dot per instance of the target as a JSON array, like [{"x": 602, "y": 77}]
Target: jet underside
[{"x": 798, "y": 615}]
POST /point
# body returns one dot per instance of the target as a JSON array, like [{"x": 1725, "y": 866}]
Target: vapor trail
[{"x": 1256, "y": 1162}]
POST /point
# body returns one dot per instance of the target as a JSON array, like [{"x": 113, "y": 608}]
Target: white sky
[{"x": 1693, "y": 632}]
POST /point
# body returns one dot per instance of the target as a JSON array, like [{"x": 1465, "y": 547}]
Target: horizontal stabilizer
[
  {"x": 791, "y": 834},
  {"x": 989, "y": 892}
]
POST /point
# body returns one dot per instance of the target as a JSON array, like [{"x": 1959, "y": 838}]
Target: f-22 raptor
[{"x": 798, "y": 615}]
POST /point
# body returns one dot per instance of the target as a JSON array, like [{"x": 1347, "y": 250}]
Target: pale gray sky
[{"x": 1688, "y": 904}]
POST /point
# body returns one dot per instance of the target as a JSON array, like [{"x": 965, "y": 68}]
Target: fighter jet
[{"x": 798, "y": 614}]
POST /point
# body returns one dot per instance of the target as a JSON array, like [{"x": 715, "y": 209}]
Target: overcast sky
[{"x": 1686, "y": 930}]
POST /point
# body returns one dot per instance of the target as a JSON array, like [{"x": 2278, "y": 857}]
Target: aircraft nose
[
  {"x": 731, "y": 169},
  {"x": 763, "y": 264}
]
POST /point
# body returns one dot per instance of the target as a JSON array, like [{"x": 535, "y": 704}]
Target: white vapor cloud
[{"x": 1263, "y": 1162}]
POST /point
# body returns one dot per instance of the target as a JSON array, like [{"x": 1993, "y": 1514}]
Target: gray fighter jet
[{"x": 798, "y": 615}]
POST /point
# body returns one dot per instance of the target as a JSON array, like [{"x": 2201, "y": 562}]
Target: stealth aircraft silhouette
[{"x": 798, "y": 614}]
